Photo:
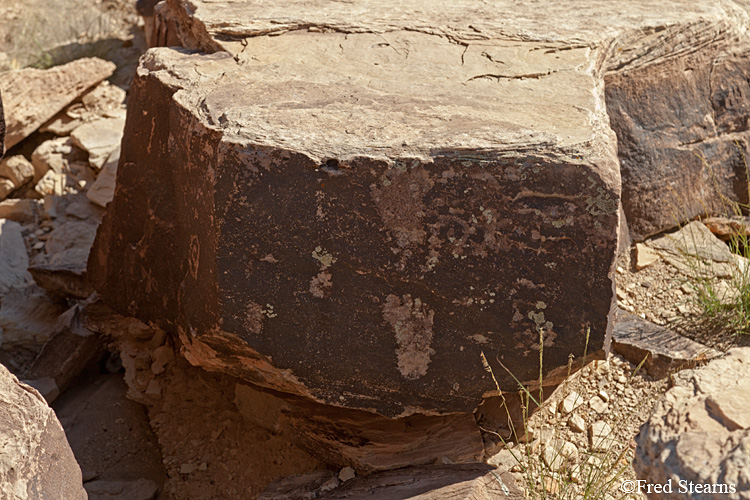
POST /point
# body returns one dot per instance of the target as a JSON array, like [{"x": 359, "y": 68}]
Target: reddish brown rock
[
  {"x": 170, "y": 387},
  {"x": 456, "y": 482},
  {"x": 681, "y": 120}
]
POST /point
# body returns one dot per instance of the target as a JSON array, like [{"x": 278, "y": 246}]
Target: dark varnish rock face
[{"x": 681, "y": 119}]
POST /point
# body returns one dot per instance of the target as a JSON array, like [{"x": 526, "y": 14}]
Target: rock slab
[
  {"x": 675, "y": 76},
  {"x": 33, "y": 96},
  {"x": 459, "y": 482},
  {"x": 36, "y": 462},
  {"x": 661, "y": 350}
]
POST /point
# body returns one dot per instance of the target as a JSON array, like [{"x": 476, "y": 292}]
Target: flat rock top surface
[
  {"x": 413, "y": 78},
  {"x": 394, "y": 94},
  {"x": 567, "y": 20}
]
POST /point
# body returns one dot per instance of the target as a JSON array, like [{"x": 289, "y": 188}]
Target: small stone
[
  {"x": 504, "y": 459},
  {"x": 551, "y": 485},
  {"x": 683, "y": 309},
  {"x": 577, "y": 424},
  {"x": 99, "y": 138},
  {"x": 603, "y": 394},
  {"x": 102, "y": 190},
  {"x": 188, "y": 468},
  {"x": 603, "y": 367},
  {"x": 600, "y": 436},
  {"x": 15, "y": 173},
  {"x": 598, "y": 405},
  {"x": 558, "y": 452},
  {"x": 51, "y": 184},
  {"x": 160, "y": 358},
  {"x": 644, "y": 256},
  {"x": 154, "y": 388},
  {"x": 18, "y": 210},
  {"x": 529, "y": 436},
  {"x": 620, "y": 270},
  {"x": 346, "y": 474},
  {"x": 51, "y": 155},
  {"x": 47, "y": 387},
  {"x": 570, "y": 403}
]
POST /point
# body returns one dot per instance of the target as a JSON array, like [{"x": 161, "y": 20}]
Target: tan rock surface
[
  {"x": 692, "y": 161},
  {"x": 100, "y": 137},
  {"x": 15, "y": 173},
  {"x": 699, "y": 430},
  {"x": 102, "y": 190},
  {"x": 36, "y": 462},
  {"x": 32, "y": 96}
]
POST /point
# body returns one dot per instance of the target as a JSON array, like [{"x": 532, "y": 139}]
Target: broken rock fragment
[
  {"x": 103, "y": 100},
  {"x": 32, "y": 96},
  {"x": 102, "y": 190},
  {"x": 99, "y": 138},
  {"x": 660, "y": 350},
  {"x": 15, "y": 173}
]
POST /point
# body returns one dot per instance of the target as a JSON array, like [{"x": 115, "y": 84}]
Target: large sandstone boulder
[
  {"x": 33, "y": 96},
  {"x": 354, "y": 211},
  {"x": 36, "y": 462},
  {"x": 350, "y": 203},
  {"x": 699, "y": 433}
]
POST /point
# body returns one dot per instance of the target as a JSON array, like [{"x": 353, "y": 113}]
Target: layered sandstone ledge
[{"x": 351, "y": 203}]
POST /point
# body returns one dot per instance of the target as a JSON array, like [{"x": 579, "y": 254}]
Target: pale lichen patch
[
  {"x": 412, "y": 322},
  {"x": 253, "y": 320},
  {"x": 326, "y": 259},
  {"x": 320, "y": 284}
]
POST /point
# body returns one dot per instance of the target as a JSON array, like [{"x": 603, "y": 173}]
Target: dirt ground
[
  {"x": 110, "y": 435},
  {"x": 42, "y": 33}
]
